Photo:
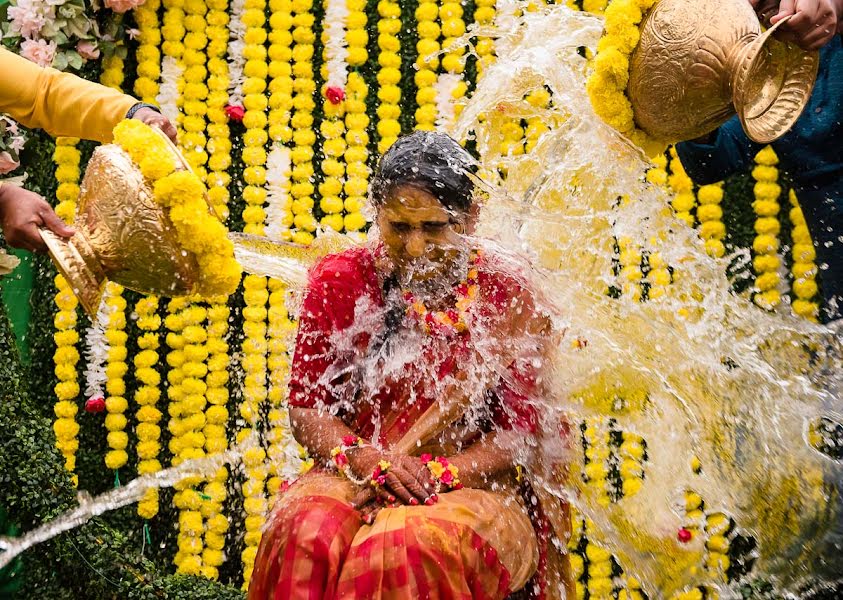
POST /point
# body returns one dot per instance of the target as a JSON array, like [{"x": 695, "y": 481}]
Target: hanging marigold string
[
  {"x": 766, "y": 261},
  {"x": 427, "y": 64},
  {"x": 389, "y": 59},
  {"x": 804, "y": 268}
]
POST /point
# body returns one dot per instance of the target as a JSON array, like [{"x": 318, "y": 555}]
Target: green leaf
[
  {"x": 74, "y": 60},
  {"x": 60, "y": 61}
]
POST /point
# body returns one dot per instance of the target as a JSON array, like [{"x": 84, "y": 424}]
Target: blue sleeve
[{"x": 731, "y": 151}]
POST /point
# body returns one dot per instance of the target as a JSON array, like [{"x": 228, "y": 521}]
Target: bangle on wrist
[{"x": 136, "y": 107}]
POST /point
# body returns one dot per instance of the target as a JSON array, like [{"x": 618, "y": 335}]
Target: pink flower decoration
[
  {"x": 95, "y": 404},
  {"x": 341, "y": 460},
  {"x": 426, "y": 457},
  {"x": 40, "y": 52},
  {"x": 335, "y": 94},
  {"x": 447, "y": 478},
  {"x": 29, "y": 16},
  {"x": 235, "y": 112},
  {"x": 88, "y": 50},
  {"x": 121, "y": 6},
  {"x": 684, "y": 535},
  {"x": 7, "y": 163},
  {"x": 349, "y": 440}
]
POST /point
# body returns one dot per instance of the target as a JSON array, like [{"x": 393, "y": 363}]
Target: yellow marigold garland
[
  {"x": 710, "y": 215},
  {"x": 147, "y": 396},
  {"x": 194, "y": 91},
  {"x": 115, "y": 371},
  {"x": 216, "y": 440},
  {"x": 254, "y": 366},
  {"x": 357, "y": 154},
  {"x": 804, "y": 266},
  {"x": 199, "y": 233},
  {"x": 536, "y": 125},
  {"x": 334, "y": 146},
  {"x": 606, "y": 86},
  {"x": 683, "y": 201},
  {"x": 219, "y": 142},
  {"x": 597, "y": 455},
  {"x": 427, "y": 64},
  {"x": 630, "y": 275},
  {"x": 453, "y": 63},
  {"x": 280, "y": 71},
  {"x": 766, "y": 260},
  {"x": 173, "y": 32},
  {"x": 304, "y": 138},
  {"x": 277, "y": 365},
  {"x": 66, "y": 157},
  {"x": 484, "y": 15},
  {"x": 148, "y": 56},
  {"x": 600, "y": 584},
  {"x": 389, "y": 59}
]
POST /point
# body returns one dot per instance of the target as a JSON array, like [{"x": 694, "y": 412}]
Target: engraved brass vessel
[
  {"x": 122, "y": 234},
  {"x": 701, "y": 61}
]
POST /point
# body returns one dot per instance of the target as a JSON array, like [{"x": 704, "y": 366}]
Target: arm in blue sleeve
[{"x": 731, "y": 151}]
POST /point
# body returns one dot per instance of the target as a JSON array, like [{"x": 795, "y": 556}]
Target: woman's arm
[{"x": 483, "y": 463}]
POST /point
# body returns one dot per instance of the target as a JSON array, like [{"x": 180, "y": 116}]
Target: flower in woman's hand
[{"x": 436, "y": 468}]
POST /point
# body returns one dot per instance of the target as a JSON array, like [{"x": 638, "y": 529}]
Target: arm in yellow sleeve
[{"x": 60, "y": 103}]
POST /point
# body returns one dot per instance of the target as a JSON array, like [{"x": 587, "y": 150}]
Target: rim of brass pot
[{"x": 87, "y": 262}]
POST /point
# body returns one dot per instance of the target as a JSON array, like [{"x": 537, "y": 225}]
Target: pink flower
[
  {"x": 29, "y": 16},
  {"x": 426, "y": 457},
  {"x": 235, "y": 112},
  {"x": 121, "y": 6},
  {"x": 88, "y": 50},
  {"x": 341, "y": 460},
  {"x": 335, "y": 94},
  {"x": 133, "y": 33},
  {"x": 447, "y": 478},
  {"x": 95, "y": 404},
  {"x": 349, "y": 440},
  {"x": 40, "y": 52},
  {"x": 7, "y": 163}
]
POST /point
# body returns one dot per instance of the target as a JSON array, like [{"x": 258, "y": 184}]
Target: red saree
[{"x": 473, "y": 543}]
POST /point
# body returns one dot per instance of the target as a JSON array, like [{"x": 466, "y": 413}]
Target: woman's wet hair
[{"x": 432, "y": 162}]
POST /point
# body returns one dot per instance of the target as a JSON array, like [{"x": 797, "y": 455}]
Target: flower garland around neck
[
  {"x": 389, "y": 59},
  {"x": 451, "y": 321},
  {"x": 181, "y": 191},
  {"x": 766, "y": 261},
  {"x": 607, "y": 84},
  {"x": 804, "y": 266},
  {"x": 67, "y": 158}
]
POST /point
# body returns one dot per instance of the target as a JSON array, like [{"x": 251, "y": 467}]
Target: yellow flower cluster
[
  {"x": 187, "y": 340},
  {"x": 148, "y": 55},
  {"x": 536, "y": 125},
  {"x": 632, "y": 454},
  {"x": 606, "y": 86},
  {"x": 219, "y": 142},
  {"x": 766, "y": 244},
  {"x": 597, "y": 455},
  {"x": 683, "y": 201},
  {"x": 356, "y": 120},
  {"x": 600, "y": 582},
  {"x": 453, "y": 26},
  {"x": 595, "y": 6},
  {"x": 389, "y": 59},
  {"x": 183, "y": 193},
  {"x": 280, "y": 72},
  {"x": 334, "y": 146},
  {"x": 658, "y": 275},
  {"x": 710, "y": 215},
  {"x": 427, "y": 64},
  {"x": 804, "y": 265},
  {"x": 630, "y": 275},
  {"x": 278, "y": 364},
  {"x": 575, "y": 555},
  {"x": 173, "y": 31},
  {"x": 146, "y": 397},
  {"x": 216, "y": 441},
  {"x": 254, "y": 119},
  {"x": 115, "y": 371},
  {"x": 717, "y": 526},
  {"x": 66, "y": 157},
  {"x": 484, "y": 16},
  {"x": 254, "y": 364},
  {"x": 194, "y": 92},
  {"x": 302, "y": 123}
]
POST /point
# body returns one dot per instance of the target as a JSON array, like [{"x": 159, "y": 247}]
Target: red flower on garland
[
  {"x": 335, "y": 94},
  {"x": 95, "y": 404},
  {"x": 684, "y": 535},
  {"x": 235, "y": 112}
]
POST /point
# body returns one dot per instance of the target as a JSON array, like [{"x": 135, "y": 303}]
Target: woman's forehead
[{"x": 409, "y": 199}]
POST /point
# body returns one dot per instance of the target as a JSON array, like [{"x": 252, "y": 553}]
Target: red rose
[
  {"x": 684, "y": 535},
  {"x": 235, "y": 112},
  {"x": 335, "y": 94},
  {"x": 95, "y": 404},
  {"x": 349, "y": 440},
  {"x": 447, "y": 478},
  {"x": 341, "y": 460},
  {"x": 426, "y": 457}
]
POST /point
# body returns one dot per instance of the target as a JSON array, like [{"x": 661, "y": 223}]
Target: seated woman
[{"x": 415, "y": 382}]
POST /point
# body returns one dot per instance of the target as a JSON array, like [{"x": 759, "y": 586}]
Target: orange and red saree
[{"x": 472, "y": 543}]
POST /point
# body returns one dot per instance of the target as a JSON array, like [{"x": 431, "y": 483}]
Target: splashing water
[
  {"x": 721, "y": 380},
  {"x": 696, "y": 371}
]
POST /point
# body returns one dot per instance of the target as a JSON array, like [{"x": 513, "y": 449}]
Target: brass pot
[
  {"x": 701, "y": 61},
  {"x": 122, "y": 234}
]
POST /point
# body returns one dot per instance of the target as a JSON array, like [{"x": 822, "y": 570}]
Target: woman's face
[{"x": 423, "y": 239}]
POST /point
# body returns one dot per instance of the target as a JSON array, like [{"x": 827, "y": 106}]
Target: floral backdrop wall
[{"x": 283, "y": 107}]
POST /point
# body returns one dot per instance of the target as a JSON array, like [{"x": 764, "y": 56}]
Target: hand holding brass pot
[
  {"x": 699, "y": 62},
  {"x": 122, "y": 234}
]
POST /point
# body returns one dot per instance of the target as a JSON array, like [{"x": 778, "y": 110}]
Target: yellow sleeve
[{"x": 60, "y": 103}]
